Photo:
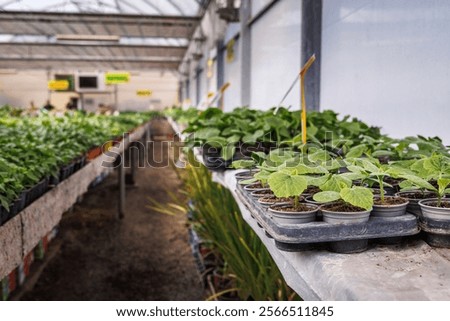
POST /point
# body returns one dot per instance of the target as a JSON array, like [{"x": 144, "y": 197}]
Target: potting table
[
  {"x": 414, "y": 271},
  {"x": 411, "y": 271},
  {"x": 23, "y": 232}
]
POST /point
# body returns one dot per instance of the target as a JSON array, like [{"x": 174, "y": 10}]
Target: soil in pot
[
  {"x": 430, "y": 209},
  {"x": 390, "y": 201},
  {"x": 288, "y": 214},
  {"x": 290, "y": 208},
  {"x": 442, "y": 205},
  {"x": 269, "y": 200},
  {"x": 255, "y": 187},
  {"x": 262, "y": 193},
  {"x": 342, "y": 207},
  {"x": 311, "y": 190},
  {"x": 245, "y": 175},
  {"x": 390, "y": 207},
  {"x": 337, "y": 213},
  {"x": 414, "y": 197}
]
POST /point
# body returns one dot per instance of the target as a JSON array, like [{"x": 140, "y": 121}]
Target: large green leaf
[
  {"x": 217, "y": 142},
  {"x": 4, "y": 202},
  {"x": 227, "y": 152},
  {"x": 301, "y": 169},
  {"x": 243, "y": 163},
  {"x": 253, "y": 137},
  {"x": 434, "y": 164},
  {"x": 336, "y": 183},
  {"x": 259, "y": 157},
  {"x": 319, "y": 155},
  {"x": 326, "y": 196},
  {"x": 397, "y": 171},
  {"x": 274, "y": 122},
  {"x": 262, "y": 176},
  {"x": 443, "y": 183},
  {"x": 233, "y": 139},
  {"x": 352, "y": 176},
  {"x": 286, "y": 185},
  {"x": 206, "y": 133},
  {"x": 420, "y": 169},
  {"x": 419, "y": 182},
  {"x": 358, "y": 196},
  {"x": 370, "y": 167},
  {"x": 317, "y": 181},
  {"x": 356, "y": 151}
]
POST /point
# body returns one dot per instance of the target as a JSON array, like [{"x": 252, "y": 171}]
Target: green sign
[{"x": 112, "y": 78}]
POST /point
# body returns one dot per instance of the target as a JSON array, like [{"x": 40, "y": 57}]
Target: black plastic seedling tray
[
  {"x": 341, "y": 238},
  {"x": 437, "y": 232}
]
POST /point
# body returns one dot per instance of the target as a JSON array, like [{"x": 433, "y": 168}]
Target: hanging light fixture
[
  {"x": 198, "y": 46},
  {"x": 228, "y": 10}
]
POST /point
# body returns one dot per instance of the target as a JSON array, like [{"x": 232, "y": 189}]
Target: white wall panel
[
  {"x": 275, "y": 40},
  {"x": 232, "y": 74},
  {"x": 22, "y": 87},
  {"x": 257, "y": 5},
  {"x": 388, "y": 63}
]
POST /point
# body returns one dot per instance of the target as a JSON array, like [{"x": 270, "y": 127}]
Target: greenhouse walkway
[{"x": 145, "y": 256}]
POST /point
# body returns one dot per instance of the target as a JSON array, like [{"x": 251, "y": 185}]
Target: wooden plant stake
[{"x": 302, "y": 95}]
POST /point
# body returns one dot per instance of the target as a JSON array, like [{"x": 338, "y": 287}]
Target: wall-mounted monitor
[{"x": 90, "y": 82}]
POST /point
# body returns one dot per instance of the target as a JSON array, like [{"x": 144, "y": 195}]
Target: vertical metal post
[
  {"x": 133, "y": 163},
  {"x": 311, "y": 43},
  {"x": 49, "y": 92},
  {"x": 81, "y": 101},
  {"x": 220, "y": 70},
  {"x": 116, "y": 106},
  {"x": 121, "y": 176},
  {"x": 245, "y": 54}
]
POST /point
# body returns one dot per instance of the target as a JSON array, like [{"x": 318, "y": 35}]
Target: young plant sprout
[{"x": 434, "y": 168}]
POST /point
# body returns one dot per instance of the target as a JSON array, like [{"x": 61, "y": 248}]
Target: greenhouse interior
[{"x": 225, "y": 150}]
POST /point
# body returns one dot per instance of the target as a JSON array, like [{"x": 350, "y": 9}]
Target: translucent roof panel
[{"x": 138, "y": 7}]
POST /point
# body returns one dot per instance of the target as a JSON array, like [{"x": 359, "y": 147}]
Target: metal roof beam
[
  {"x": 45, "y": 23},
  {"x": 91, "y": 44},
  {"x": 74, "y": 49},
  {"x": 49, "y": 17},
  {"x": 87, "y": 65},
  {"x": 89, "y": 58}
]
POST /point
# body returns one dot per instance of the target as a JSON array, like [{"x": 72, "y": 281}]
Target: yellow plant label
[
  {"x": 58, "y": 85},
  {"x": 144, "y": 92}
]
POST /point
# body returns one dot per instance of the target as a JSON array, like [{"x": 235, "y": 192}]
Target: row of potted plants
[
  {"x": 232, "y": 135},
  {"x": 296, "y": 187},
  {"x": 39, "y": 152},
  {"x": 346, "y": 166}
]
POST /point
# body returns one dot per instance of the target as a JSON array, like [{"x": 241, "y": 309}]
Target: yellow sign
[
  {"x": 144, "y": 92},
  {"x": 230, "y": 50},
  {"x": 210, "y": 72},
  {"x": 58, "y": 85},
  {"x": 112, "y": 78}
]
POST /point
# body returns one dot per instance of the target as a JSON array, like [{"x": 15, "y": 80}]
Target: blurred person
[{"x": 48, "y": 106}]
